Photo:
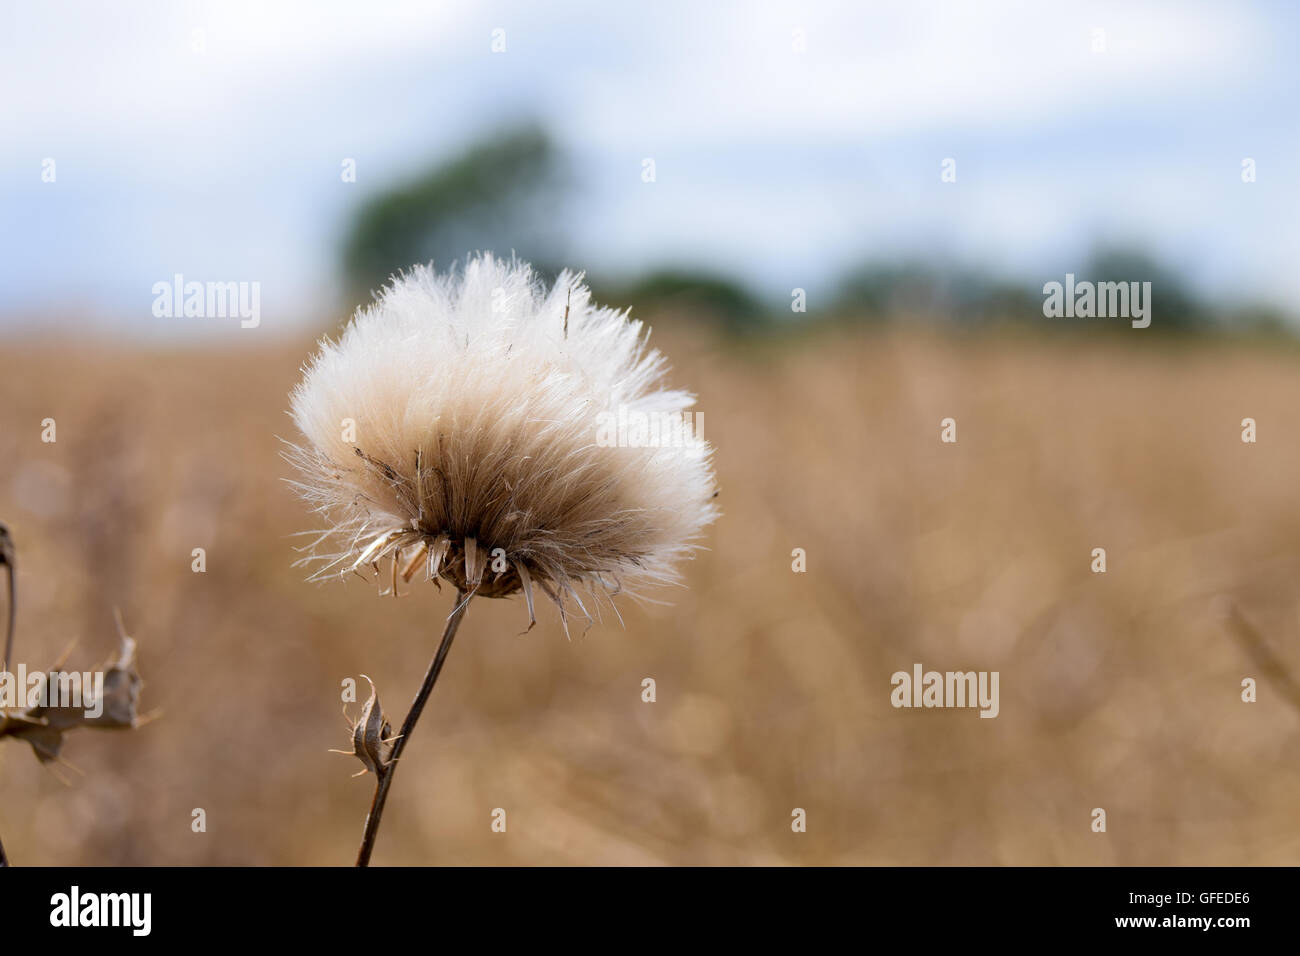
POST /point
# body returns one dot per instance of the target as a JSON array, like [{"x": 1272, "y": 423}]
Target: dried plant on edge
[
  {"x": 453, "y": 432},
  {"x": 43, "y": 726}
]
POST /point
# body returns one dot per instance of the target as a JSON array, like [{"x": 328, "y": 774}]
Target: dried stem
[
  {"x": 7, "y": 558},
  {"x": 385, "y": 776}
]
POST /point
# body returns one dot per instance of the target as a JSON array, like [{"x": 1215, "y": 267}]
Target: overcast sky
[{"x": 206, "y": 138}]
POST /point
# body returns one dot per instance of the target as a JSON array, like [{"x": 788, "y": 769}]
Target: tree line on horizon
[{"x": 504, "y": 194}]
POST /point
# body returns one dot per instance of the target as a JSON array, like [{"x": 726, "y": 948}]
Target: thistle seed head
[{"x": 453, "y": 430}]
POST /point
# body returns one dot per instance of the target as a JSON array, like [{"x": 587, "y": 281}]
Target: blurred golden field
[{"x": 1118, "y": 690}]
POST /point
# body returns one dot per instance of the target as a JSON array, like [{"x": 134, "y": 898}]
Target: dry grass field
[{"x": 1119, "y": 690}]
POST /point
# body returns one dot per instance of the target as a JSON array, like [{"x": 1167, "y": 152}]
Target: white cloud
[{"x": 884, "y": 70}]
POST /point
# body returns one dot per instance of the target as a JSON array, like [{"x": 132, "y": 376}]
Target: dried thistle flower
[
  {"x": 453, "y": 427},
  {"x": 456, "y": 428}
]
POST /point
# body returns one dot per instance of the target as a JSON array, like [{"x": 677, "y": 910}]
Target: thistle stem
[
  {"x": 7, "y": 558},
  {"x": 385, "y": 777}
]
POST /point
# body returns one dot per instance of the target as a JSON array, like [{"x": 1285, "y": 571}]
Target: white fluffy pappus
[{"x": 453, "y": 429}]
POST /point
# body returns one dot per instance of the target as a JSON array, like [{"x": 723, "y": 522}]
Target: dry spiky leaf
[
  {"x": 372, "y": 740},
  {"x": 43, "y": 727}
]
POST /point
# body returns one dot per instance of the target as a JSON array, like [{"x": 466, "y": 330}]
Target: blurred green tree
[
  {"x": 880, "y": 291},
  {"x": 708, "y": 295},
  {"x": 1175, "y": 305},
  {"x": 500, "y": 195}
]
